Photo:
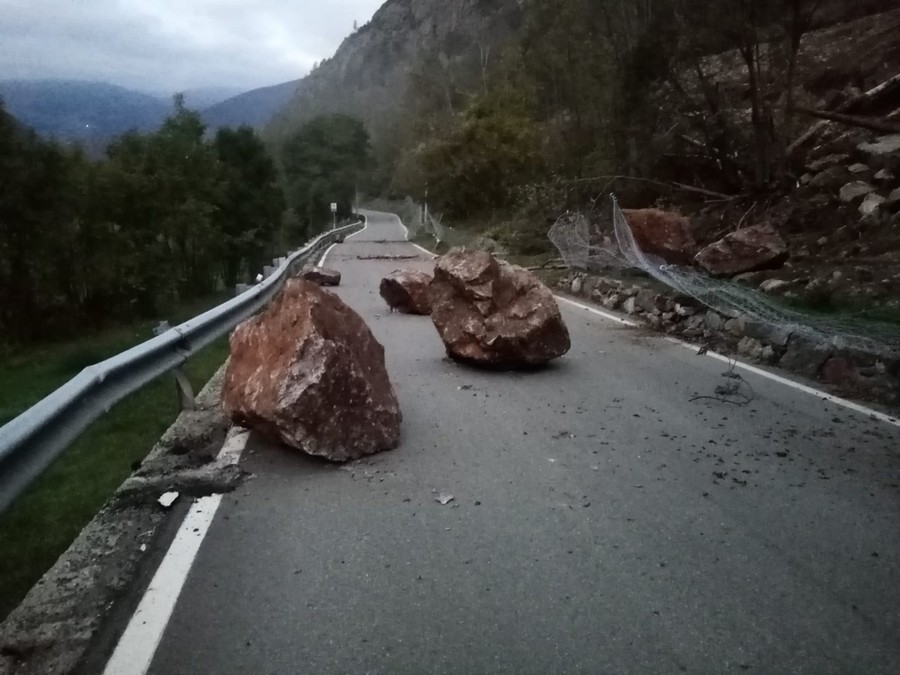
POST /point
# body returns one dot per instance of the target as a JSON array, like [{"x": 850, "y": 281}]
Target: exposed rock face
[
  {"x": 406, "y": 291},
  {"x": 492, "y": 313},
  {"x": 662, "y": 234},
  {"x": 747, "y": 250},
  {"x": 309, "y": 372},
  {"x": 321, "y": 275}
]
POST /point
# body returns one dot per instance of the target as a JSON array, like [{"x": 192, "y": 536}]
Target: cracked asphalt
[{"x": 600, "y": 521}]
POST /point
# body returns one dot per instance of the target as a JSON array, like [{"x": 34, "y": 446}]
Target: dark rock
[
  {"x": 883, "y": 153},
  {"x": 309, "y": 372},
  {"x": 805, "y": 355},
  {"x": 662, "y": 234},
  {"x": 321, "y": 275},
  {"x": 489, "y": 312},
  {"x": 746, "y": 250},
  {"x": 855, "y": 191},
  {"x": 406, "y": 291},
  {"x": 832, "y": 177},
  {"x": 840, "y": 371}
]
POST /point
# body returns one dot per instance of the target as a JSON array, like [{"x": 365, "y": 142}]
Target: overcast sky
[{"x": 169, "y": 45}]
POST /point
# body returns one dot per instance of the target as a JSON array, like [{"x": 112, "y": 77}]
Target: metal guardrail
[{"x": 30, "y": 442}]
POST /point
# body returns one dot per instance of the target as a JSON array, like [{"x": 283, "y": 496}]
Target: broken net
[{"x": 583, "y": 246}]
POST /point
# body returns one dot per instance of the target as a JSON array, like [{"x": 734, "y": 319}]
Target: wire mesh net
[{"x": 584, "y": 246}]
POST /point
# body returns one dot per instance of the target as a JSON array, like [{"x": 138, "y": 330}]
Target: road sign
[{"x": 334, "y": 207}]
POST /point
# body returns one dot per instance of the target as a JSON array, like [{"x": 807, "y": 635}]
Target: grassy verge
[{"x": 48, "y": 517}]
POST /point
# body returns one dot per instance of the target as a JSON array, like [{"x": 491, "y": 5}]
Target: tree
[
  {"x": 250, "y": 204},
  {"x": 324, "y": 161}
]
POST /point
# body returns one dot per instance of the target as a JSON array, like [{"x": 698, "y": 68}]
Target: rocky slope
[{"x": 368, "y": 75}]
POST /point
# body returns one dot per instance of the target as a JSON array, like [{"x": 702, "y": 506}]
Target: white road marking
[
  {"x": 837, "y": 400},
  {"x": 325, "y": 255},
  {"x": 137, "y": 646},
  {"x": 365, "y": 227}
]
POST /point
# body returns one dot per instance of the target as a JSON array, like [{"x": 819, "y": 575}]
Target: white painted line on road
[
  {"x": 325, "y": 255},
  {"x": 365, "y": 227},
  {"x": 137, "y": 646},
  {"x": 856, "y": 407},
  {"x": 598, "y": 312}
]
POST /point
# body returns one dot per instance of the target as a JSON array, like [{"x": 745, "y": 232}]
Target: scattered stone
[
  {"x": 827, "y": 161},
  {"x": 805, "y": 355},
  {"x": 832, "y": 177},
  {"x": 714, "y": 321},
  {"x": 884, "y": 176},
  {"x": 870, "y": 204},
  {"x": 406, "y": 291},
  {"x": 321, "y": 275},
  {"x": 773, "y": 286},
  {"x": 855, "y": 190},
  {"x": 893, "y": 199},
  {"x": 858, "y": 168},
  {"x": 735, "y": 326},
  {"x": 821, "y": 241},
  {"x": 308, "y": 372},
  {"x": 839, "y": 371},
  {"x": 612, "y": 301},
  {"x": 766, "y": 333},
  {"x": 443, "y": 499},
  {"x": 167, "y": 499},
  {"x": 767, "y": 353},
  {"x": 663, "y": 234},
  {"x": 630, "y": 306},
  {"x": 577, "y": 283},
  {"x": 684, "y": 310},
  {"x": 492, "y": 313},
  {"x": 750, "y": 347},
  {"x": 883, "y": 152},
  {"x": 648, "y": 301},
  {"x": 746, "y": 250}
]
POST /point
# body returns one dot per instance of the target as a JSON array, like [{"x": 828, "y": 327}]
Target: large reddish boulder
[
  {"x": 492, "y": 313},
  {"x": 309, "y": 373},
  {"x": 321, "y": 275},
  {"x": 746, "y": 250},
  {"x": 406, "y": 291},
  {"x": 662, "y": 234}
]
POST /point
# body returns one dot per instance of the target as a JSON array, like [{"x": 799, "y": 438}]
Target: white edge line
[
  {"x": 856, "y": 407},
  {"x": 325, "y": 255},
  {"x": 137, "y": 646},
  {"x": 365, "y": 227}
]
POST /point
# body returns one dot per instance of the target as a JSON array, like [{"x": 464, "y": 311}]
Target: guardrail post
[{"x": 183, "y": 388}]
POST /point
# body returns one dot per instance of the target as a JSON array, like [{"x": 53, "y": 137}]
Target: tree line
[{"x": 163, "y": 219}]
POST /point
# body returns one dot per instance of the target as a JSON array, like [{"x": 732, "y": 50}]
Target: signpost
[{"x": 333, "y": 215}]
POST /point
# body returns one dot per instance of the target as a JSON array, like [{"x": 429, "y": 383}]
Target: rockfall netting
[{"x": 611, "y": 245}]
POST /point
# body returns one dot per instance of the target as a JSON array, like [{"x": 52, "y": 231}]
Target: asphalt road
[{"x": 601, "y": 522}]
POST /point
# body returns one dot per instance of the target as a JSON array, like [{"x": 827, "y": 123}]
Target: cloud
[{"x": 169, "y": 45}]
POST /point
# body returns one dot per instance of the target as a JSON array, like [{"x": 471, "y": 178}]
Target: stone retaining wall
[{"x": 852, "y": 372}]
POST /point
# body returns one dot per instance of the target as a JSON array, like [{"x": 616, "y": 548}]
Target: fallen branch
[{"x": 851, "y": 120}]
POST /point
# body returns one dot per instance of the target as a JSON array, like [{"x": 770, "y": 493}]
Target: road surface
[{"x": 601, "y": 522}]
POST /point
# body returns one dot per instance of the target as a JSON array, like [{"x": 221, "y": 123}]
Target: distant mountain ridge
[
  {"x": 80, "y": 110},
  {"x": 254, "y": 108}
]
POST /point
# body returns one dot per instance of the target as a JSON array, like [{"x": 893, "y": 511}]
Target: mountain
[
  {"x": 201, "y": 98},
  {"x": 254, "y": 108},
  {"x": 81, "y": 111},
  {"x": 370, "y": 72}
]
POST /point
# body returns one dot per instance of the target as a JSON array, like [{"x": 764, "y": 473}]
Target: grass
[{"x": 50, "y": 514}]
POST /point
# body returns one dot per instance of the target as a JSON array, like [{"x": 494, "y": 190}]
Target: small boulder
[
  {"x": 321, "y": 275},
  {"x": 491, "y": 313},
  {"x": 855, "y": 190},
  {"x": 308, "y": 372},
  {"x": 663, "y": 234},
  {"x": 893, "y": 199},
  {"x": 883, "y": 153},
  {"x": 832, "y": 177},
  {"x": 774, "y": 286},
  {"x": 746, "y": 250},
  {"x": 870, "y": 204},
  {"x": 406, "y": 291}
]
